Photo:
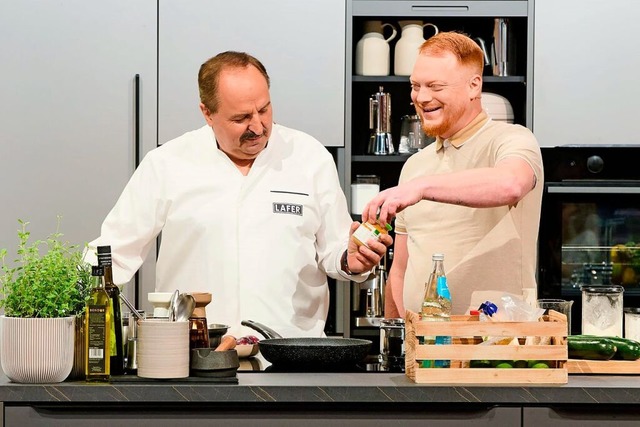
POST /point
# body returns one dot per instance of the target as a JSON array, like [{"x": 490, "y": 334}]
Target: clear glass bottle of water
[{"x": 436, "y": 306}]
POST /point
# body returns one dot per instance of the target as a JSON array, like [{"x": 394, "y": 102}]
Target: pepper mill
[{"x": 198, "y": 329}]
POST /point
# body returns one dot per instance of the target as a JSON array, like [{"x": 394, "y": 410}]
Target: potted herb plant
[{"x": 43, "y": 291}]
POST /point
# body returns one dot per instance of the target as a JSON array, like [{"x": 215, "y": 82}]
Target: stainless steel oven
[{"x": 590, "y": 223}]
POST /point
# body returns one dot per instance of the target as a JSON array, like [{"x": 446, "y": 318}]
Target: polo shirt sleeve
[{"x": 520, "y": 142}]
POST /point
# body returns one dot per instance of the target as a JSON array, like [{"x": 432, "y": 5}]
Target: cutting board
[{"x": 610, "y": 367}]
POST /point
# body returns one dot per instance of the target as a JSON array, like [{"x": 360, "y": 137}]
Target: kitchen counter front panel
[{"x": 328, "y": 388}]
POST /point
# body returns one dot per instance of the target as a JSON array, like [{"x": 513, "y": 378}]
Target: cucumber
[
  {"x": 626, "y": 349},
  {"x": 590, "y": 347}
]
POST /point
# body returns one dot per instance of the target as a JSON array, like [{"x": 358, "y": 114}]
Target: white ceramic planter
[{"x": 36, "y": 350}]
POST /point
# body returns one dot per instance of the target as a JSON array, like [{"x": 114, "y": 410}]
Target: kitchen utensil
[
  {"x": 172, "y": 305},
  {"x": 202, "y": 300},
  {"x": 199, "y": 333},
  {"x": 372, "y": 50},
  {"x": 160, "y": 302},
  {"x": 501, "y": 46},
  {"x": 380, "y": 142},
  {"x": 502, "y": 54},
  {"x": 309, "y": 352},
  {"x": 185, "y": 306},
  {"x": 131, "y": 364},
  {"x": 228, "y": 342},
  {"x": 205, "y": 362},
  {"x": 406, "y": 50},
  {"x": 485, "y": 51},
  {"x": 131, "y": 307},
  {"x": 163, "y": 349},
  {"x": 216, "y": 331}
]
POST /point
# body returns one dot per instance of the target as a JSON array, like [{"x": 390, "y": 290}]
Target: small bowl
[
  {"x": 216, "y": 332},
  {"x": 247, "y": 350}
]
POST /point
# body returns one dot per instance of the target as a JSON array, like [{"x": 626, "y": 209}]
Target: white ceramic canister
[
  {"x": 372, "y": 50},
  {"x": 406, "y": 50}
]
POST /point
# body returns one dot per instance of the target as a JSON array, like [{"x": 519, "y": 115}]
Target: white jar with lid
[
  {"x": 365, "y": 188},
  {"x": 632, "y": 323}
]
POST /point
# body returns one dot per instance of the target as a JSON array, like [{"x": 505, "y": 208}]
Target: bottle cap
[
  {"x": 388, "y": 227},
  {"x": 104, "y": 249},
  {"x": 488, "y": 308},
  {"x": 437, "y": 257},
  {"x": 97, "y": 270}
]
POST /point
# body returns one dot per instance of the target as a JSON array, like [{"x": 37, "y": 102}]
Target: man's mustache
[{"x": 251, "y": 135}]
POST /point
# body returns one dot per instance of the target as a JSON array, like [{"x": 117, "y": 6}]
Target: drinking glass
[{"x": 559, "y": 305}]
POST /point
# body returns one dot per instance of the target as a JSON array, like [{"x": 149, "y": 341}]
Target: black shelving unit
[{"x": 477, "y": 21}]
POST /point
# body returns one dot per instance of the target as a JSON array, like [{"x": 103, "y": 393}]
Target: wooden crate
[{"x": 465, "y": 332}]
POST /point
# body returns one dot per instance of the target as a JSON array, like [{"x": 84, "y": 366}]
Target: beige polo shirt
[{"x": 486, "y": 249}]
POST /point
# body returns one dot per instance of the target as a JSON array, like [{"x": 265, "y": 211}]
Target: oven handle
[{"x": 592, "y": 190}]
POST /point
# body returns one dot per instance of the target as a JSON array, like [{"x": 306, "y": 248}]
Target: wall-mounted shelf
[{"x": 398, "y": 158}]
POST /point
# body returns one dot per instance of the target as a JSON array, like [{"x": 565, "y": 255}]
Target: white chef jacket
[{"x": 261, "y": 244}]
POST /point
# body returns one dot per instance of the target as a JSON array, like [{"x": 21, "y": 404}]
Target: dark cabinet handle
[
  {"x": 136, "y": 159},
  {"x": 136, "y": 119}
]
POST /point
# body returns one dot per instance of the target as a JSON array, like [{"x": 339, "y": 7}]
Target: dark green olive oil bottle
[{"x": 97, "y": 333}]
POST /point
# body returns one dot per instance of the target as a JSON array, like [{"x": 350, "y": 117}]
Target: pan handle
[{"x": 266, "y": 332}]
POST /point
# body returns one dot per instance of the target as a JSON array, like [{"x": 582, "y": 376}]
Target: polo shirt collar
[{"x": 465, "y": 133}]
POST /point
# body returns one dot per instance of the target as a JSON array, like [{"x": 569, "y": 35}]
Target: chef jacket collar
[{"x": 465, "y": 133}]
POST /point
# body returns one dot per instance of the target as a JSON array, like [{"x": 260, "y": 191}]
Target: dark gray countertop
[{"x": 327, "y": 388}]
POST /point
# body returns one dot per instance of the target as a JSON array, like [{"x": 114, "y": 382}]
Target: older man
[{"x": 249, "y": 210}]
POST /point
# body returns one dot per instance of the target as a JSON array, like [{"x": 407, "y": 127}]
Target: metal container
[
  {"x": 131, "y": 349},
  {"x": 392, "y": 344}
]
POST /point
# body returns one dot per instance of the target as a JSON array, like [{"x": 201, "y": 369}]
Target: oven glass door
[{"x": 589, "y": 235}]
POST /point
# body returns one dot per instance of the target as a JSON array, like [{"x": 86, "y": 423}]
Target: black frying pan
[{"x": 309, "y": 352}]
